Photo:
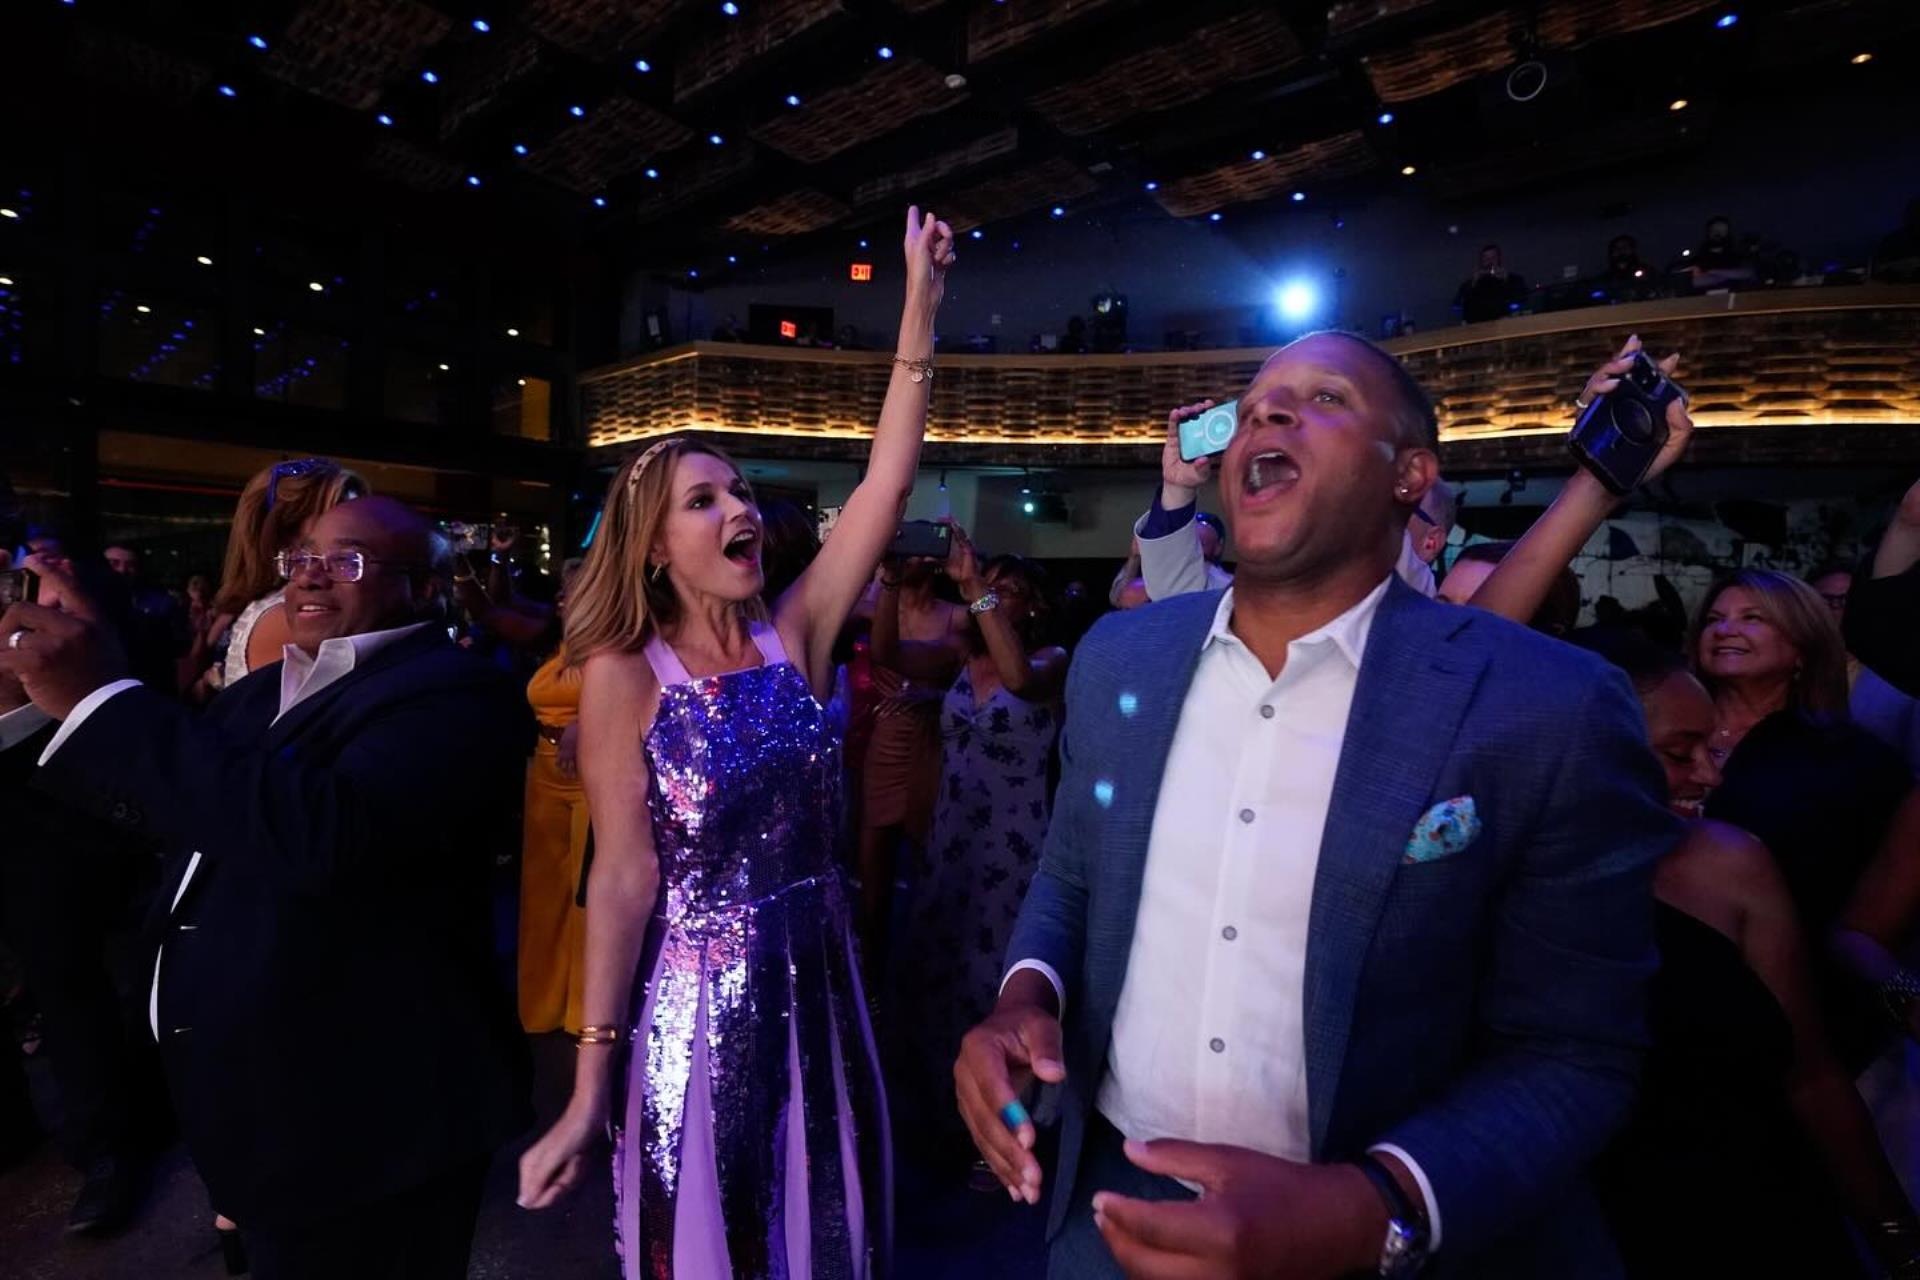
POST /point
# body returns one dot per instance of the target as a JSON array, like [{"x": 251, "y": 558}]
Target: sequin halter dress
[{"x": 752, "y": 1138}]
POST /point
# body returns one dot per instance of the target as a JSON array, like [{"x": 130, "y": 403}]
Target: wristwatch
[
  {"x": 985, "y": 604},
  {"x": 1404, "y": 1251}
]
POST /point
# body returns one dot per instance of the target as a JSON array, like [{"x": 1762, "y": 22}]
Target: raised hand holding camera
[{"x": 1633, "y": 421}]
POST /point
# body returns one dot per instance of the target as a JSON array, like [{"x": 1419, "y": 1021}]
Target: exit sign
[
  {"x": 861, "y": 271},
  {"x": 789, "y": 330}
]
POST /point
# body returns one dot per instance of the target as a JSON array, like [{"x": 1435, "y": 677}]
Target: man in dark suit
[
  {"x": 1346, "y": 900},
  {"x": 340, "y": 1053}
]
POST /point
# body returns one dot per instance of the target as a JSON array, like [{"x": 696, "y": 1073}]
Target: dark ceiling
[{"x": 668, "y": 134}]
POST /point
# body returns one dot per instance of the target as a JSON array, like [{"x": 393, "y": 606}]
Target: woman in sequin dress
[{"x": 745, "y": 1100}]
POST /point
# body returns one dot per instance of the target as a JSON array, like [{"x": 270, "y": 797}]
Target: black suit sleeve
[
  {"x": 378, "y": 808},
  {"x": 1882, "y": 614}
]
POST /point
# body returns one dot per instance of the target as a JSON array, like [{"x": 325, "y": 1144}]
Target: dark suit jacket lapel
[
  {"x": 286, "y": 727},
  {"x": 1416, "y": 677}
]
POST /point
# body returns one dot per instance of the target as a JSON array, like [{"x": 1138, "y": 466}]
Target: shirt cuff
[
  {"x": 1046, "y": 971},
  {"x": 86, "y": 707},
  {"x": 1160, "y": 522},
  {"x": 1426, "y": 1189}
]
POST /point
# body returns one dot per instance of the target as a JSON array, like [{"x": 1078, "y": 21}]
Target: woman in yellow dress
[{"x": 552, "y": 923}]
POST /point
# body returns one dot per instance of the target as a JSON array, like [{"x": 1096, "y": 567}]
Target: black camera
[{"x": 1618, "y": 436}]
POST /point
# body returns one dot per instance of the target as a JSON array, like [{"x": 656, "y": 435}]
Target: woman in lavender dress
[
  {"x": 997, "y": 729},
  {"x": 727, "y": 1044}
]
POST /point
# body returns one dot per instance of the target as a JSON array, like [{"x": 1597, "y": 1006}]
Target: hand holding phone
[
  {"x": 19, "y": 586},
  {"x": 921, "y": 540}
]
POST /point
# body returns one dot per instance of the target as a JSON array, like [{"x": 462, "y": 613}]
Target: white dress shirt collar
[
  {"x": 301, "y": 676},
  {"x": 1349, "y": 631}
]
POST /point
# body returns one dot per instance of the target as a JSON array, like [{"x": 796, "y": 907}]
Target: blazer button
[
  {"x": 1266, "y": 711},
  {"x": 1246, "y": 815},
  {"x": 1229, "y": 933}
]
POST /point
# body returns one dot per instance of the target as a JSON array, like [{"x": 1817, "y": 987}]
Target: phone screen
[{"x": 1209, "y": 432}]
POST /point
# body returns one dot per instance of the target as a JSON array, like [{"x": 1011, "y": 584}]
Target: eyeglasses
[
  {"x": 339, "y": 566},
  {"x": 288, "y": 470}
]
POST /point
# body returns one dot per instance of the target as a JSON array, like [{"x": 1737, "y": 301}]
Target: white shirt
[
  {"x": 1209, "y": 1037},
  {"x": 301, "y": 677}
]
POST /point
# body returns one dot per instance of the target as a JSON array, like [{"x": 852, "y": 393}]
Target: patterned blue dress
[
  {"x": 989, "y": 823},
  {"x": 752, "y": 1137}
]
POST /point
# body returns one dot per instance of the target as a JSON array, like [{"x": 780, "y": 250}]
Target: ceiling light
[
  {"x": 1726, "y": 20},
  {"x": 863, "y": 244},
  {"x": 519, "y": 148},
  {"x": 599, "y": 202},
  {"x": 430, "y": 76},
  {"x": 258, "y": 42},
  {"x": 1299, "y": 196},
  {"x": 885, "y": 52},
  {"x": 576, "y": 111},
  {"x": 1213, "y": 217},
  {"x": 1297, "y": 300},
  {"x": 473, "y": 179},
  {"x": 520, "y": 382},
  {"x": 733, "y": 261},
  {"x": 693, "y": 273},
  {"x": 384, "y": 120},
  {"x": 482, "y": 26},
  {"x": 1259, "y": 155},
  {"x": 258, "y": 332},
  {"x": 513, "y": 333},
  {"x": 316, "y": 287},
  {"x": 1059, "y": 212},
  {"x": 1385, "y": 117},
  {"x": 6, "y": 281},
  {"x": 1678, "y": 104},
  {"x": 227, "y": 91},
  {"x": 144, "y": 309},
  {"x": 731, "y": 9},
  {"x": 793, "y": 99},
  {"x": 1407, "y": 171},
  {"x": 446, "y": 368},
  {"x": 204, "y": 260},
  {"x": 979, "y": 234},
  {"x": 715, "y": 139},
  {"x": 1153, "y": 186},
  {"x": 9, "y": 213},
  {"x": 1862, "y": 59},
  {"x": 653, "y": 173},
  {"x": 642, "y": 65}
]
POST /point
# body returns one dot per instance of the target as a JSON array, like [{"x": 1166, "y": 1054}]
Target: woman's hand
[
  {"x": 963, "y": 564},
  {"x": 1679, "y": 422},
  {"x": 566, "y": 752},
  {"x": 551, "y": 1166},
  {"x": 929, "y": 249}
]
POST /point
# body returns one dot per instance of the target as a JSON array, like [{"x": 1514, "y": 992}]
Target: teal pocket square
[{"x": 1444, "y": 830}]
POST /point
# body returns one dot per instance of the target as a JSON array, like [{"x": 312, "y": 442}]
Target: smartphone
[
  {"x": 1618, "y": 436},
  {"x": 1209, "y": 432},
  {"x": 921, "y": 539},
  {"x": 18, "y": 586}
]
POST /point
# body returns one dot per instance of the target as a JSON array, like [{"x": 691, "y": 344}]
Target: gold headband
[{"x": 653, "y": 451}]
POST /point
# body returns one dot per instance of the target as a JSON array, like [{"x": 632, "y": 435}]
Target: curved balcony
[{"x": 1801, "y": 376}]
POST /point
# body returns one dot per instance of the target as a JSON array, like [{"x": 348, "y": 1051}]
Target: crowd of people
[{"x": 1336, "y": 912}]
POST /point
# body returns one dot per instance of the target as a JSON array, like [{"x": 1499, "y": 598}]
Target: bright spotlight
[{"x": 1297, "y": 300}]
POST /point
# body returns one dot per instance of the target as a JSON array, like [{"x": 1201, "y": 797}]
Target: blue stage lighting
[{"x": 1297, "y": 300}]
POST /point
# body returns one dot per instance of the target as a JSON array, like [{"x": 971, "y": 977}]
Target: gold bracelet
[
  {"x": 921, "y": 370},
  {"x": 590, "y": 1036}
]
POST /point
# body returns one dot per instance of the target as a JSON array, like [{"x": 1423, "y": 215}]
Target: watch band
[{"x": 1404, "y": 1250}]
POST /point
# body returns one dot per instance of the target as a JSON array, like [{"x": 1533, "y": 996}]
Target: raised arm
[
  {"x": 618, "y": 699},
  {"x": 816, "y": 606},
  {"x": 1171, "y": 562},
  {"x": 1519, "y": 584},
  {"x": 1034, "y": 677}
]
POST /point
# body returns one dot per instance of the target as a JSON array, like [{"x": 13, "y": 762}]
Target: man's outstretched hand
[{"x": 1017, "y": 1044}]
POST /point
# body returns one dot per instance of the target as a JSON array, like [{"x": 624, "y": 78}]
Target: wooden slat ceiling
[{"x": 831, "y": 112}]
